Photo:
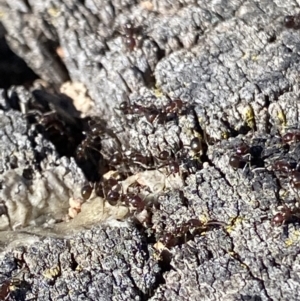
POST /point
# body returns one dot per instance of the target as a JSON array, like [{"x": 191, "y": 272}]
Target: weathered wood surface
[{"x": 238, "y": 64}]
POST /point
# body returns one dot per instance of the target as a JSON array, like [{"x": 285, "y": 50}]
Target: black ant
[
  {"x": 241, "y": 157},
  {"x": 173, "y": 162},
  {"x": 116, "y": 159},
  {"x": 292, "y": 22},
  {"x": 152, "y": 113},
  {"x": 135, "y": 110},
  {"x": 242, "y": 149},
  {"x": 173, "y": 167},
  {"x": 169, "y": 112},
  {"x": 288, "y": 170},
  {"x": 169, "y": 161},
  {"x": 187, "y": 231},
  {"x": 282, "y": 166},
  {"x": 286, "y": 215},
  {"x": 135, "y": 201},
  {"x": 291, "y": 137},
  {"x": 169, "y": 240},
  {"x": 89, "y": 149},
  {"x": 47, "y": 120},
  {"x": 108, "y": 190},
  {"x": 131, "y": 157},
  {"x": 62, "y": 133},
  {"x": 124, "y": 107},
  {"x": 48, "y": 123},
  {"x": 164, "y": 155},
  {"x": 196, "y": 145},
  {"x": 295, "y": 179},
  {"x": 144, "y": 161},
  {"x": 88, "y": 157},
  {"x": 88, "y": 153},
  {"x": 98, "y": 128},
  {"x": 132, "y": 37},
  {"x": 131, "y": 200},
  {"x": 166, "y": 113},
  {"x": 237, "y": 161},
  {"x": 176, "y": 106},
  {"x": 113, "y": 197},
  {"x": 86, "y": 191}
]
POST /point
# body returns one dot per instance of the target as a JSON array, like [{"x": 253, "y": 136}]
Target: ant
[
  {"x": 134, "y": 109},
  {"x": 173, "y": 167},
  {"x": 176, "y": 106},
  {"x": 295, "y": 179},
  {"x": 286, "y": 215},
  {"x": 242, "y": 149},
  {"x": 125, "y": 108},
  {"x": 190, "y": 164},
  {"x": 153, "y": 113},
  {"x": 42, "y": 118},
  {"x": 246, "y": 155},
  {"x": 108, "y": 189},
  {"x": 168, "y": 112},
  {"x": 292, "y": 22},
  {"x": 133, "y": 157},
  {"x": 50, "y": 122},
  {"x": 132, "y": 37},
  {"x": 88, "y": 152},
  {"x": 237, "y": 161},
  {"x": 89, "y": 149},
  {"x": 196, "y": 145},
  {"x": 135, "y": 201},
  {"x": 282, "y": 166},
  {"x": 187, "y": 231},
  {"x": 144, "y": 161},
  {"x": 241, "y": 157},
  {"x": 289, "y": 170},
  {"x": 98, "y": 128},
  {"x": 169, "y": 161},
  {"x": 86, "y": 191},
  {"x": 291, "y": 137},
  {"x": 116, "y": 159},
  {"x": 169, "y": 240},
  {"x": 63, "y": 133},
  {"x": 88, "y": 157}
]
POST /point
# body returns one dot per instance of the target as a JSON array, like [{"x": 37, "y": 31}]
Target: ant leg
[
  {"x": 246, "y": 168},
  {"x": 216, "y": 223},
  {"x": 297, "y": 166},
  {"x": 257, "y": 169}
]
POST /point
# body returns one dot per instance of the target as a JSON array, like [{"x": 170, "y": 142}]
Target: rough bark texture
[{"x": 236, "y": 66}]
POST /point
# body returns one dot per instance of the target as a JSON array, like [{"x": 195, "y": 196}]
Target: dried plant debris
[{"x": 78, "y": 93}]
